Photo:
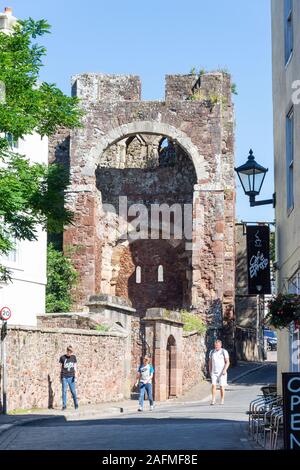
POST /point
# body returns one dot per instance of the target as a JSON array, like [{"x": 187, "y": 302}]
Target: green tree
[
  {"x": 62, "y": 278},
  {"x": 30, "y": 194}
]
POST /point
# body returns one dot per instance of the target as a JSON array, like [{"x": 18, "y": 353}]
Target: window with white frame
[
  {"x": 290, "y": 158},
  {"x": 294, "y": 288},
  {"x": 288, "y": 29}
]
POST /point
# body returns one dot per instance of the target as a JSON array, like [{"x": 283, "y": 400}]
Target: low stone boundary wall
[
  {"x": 33, "y": 370},
  {"x": 193, "y": 359},
  {"x": 71, "y": 320}
]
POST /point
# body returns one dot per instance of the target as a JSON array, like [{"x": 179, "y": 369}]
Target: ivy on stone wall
[{"x": 61, "y": 278}]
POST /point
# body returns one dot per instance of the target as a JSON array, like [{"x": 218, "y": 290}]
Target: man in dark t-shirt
[{"x": 68, "y": 370}]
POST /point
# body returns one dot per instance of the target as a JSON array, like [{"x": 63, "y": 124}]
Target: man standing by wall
[
  {"x": 218, "y": 366},
  {"x": 68, "y": 370}
]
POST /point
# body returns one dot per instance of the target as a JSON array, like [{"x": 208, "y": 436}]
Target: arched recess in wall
[
  {"x": 148, "y": 127},
  {"x": 135, "y": 172}
]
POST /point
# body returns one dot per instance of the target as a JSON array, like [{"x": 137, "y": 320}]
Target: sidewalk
[{"x": 199, "y": 393}]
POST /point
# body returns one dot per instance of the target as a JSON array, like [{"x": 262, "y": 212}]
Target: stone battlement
[{"x": 95, "y": 87}]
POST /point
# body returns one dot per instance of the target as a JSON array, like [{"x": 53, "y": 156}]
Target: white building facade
[
  {"x": 25, "y": 295},
  {"x": 286, "y": 100}
]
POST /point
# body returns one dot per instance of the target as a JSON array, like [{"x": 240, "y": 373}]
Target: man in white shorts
[{"x": 218, "y": 365}]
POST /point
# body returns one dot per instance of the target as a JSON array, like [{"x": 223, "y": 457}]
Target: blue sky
[{"x": 161, "y": 37}]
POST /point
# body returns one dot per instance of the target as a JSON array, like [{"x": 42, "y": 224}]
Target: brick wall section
[
  {"x": 193, "y": 359},
  {"x": 34, "y": 371}
]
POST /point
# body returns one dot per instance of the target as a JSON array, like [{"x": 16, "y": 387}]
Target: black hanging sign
[
  {"x": 291, "y": 410},
  {"x": 258, "y": 254}
]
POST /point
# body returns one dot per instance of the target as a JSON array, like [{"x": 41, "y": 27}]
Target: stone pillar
[
  {"x": 117, "y": 310},
  {"x": 162, "y": 325},
  {"x": 83, "y": 240}
]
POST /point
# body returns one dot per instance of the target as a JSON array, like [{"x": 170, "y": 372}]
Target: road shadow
[
  {"x": 265, "y": 376},
  {"x": 137, "y": 433}
]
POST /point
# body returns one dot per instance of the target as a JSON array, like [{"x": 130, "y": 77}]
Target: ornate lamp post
[{"x": 252, "y": 176}]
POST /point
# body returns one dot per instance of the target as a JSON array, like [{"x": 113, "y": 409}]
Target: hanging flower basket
[{"x": 283, "y": 310}]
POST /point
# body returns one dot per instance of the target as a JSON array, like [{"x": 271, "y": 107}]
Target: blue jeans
[
  {"x": 143, "y": 389},
  {"x": 71, "y": 382}
]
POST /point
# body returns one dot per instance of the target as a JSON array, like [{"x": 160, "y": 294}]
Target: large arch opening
[
  {"x": 156, "y": 177},
  {"x": 164, "y": 130}
]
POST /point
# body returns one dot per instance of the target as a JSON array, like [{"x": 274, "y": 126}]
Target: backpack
[{"x": 213, "y": 350}]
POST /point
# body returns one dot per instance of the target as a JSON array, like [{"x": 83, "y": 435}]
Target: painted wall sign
[
  {"x": 258, "y": 255},
  {"x": 291, "y": 410}
]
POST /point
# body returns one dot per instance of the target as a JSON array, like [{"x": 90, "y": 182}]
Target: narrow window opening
[
  {"x": 160, "y": 273},
  {"x": 138, "y": 275}
]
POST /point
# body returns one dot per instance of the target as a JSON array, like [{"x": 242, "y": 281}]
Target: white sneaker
[
  {"x": 151, "y": 408},
  {"x": 140, "y": 408},
  {"x": 213, "y": 403}
]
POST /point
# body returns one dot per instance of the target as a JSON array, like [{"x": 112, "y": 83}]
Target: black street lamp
[{"x": 252, "y": 176}]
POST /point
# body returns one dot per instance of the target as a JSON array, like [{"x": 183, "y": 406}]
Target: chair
[
  {"x": 258, "y": 413},
  {"x": 269, "y": 424},
  {"x": 269, "y": 390},
  {"x": 278, "y": 427}
]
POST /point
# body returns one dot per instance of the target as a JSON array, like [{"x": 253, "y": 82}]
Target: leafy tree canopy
[
  {"x": 30, "y": 194},
  {"x": 62, "y": 278}
]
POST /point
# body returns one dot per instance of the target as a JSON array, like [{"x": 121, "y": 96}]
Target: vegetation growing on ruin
[
  {"x": 103, "y": 328},
  {"x": 192, "y": 322}
]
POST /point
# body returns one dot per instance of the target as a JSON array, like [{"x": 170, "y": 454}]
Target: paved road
[{"x": 191, "y": 426}]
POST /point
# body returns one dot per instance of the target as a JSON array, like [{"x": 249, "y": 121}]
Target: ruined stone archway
[
  {"x": 204, "y": 129},
  {"x": 135, "y": 169},
  {"x": 147, "y": 127}
]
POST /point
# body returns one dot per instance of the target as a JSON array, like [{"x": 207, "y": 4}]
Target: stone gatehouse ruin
[{"x": 134, "y": 161}]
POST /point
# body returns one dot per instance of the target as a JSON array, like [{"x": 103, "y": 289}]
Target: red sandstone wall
[
  {"x": 34, "y": 371},
  {"x": 149, "y": 255},
  {"x": 193, "y": 360}
]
